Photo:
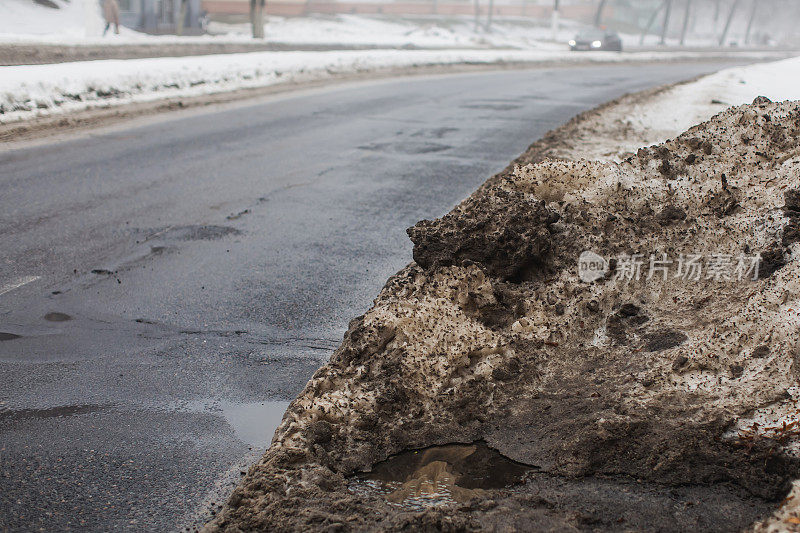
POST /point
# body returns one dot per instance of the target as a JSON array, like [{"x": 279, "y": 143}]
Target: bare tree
[
  {"x": 181, "y": 17},
  {"x": 651, "y": 21},
  {"x": 253, "y": 16},
  {"x": 665, "y": 26},
  {"x": 598, "y": 16},
  {"x": 753, "y": 13},
  {"x": 554, "y": 21},
  {"x": 686, "y": 17},
  {"x": 257, "y": 18},
  {"x": 724, "y": 36}
]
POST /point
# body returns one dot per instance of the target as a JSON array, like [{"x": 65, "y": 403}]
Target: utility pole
[
  {"x": 716, "y": 13},
  {"x": 253, "y": 17},
  {"x": 686, "y": 21},
  {"x": 664, "y": 28},
  {"x": 650, "y": 22},
  {"x": 750, "y": 22},
  {"x": 181, "y": 17},
  {"x": 257, "y": 18},
  {"x": 489, "y": 17},
  {"x": 554, "y": 21},
  {"x": 261, "y": 4},
  {"x": 728, "y": 23},
  {"x": 477, "y": 15},
  {"x": 598, "y": 16}
]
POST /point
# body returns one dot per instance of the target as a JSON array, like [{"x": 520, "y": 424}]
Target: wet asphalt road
[{"x": 166, "y": 289}]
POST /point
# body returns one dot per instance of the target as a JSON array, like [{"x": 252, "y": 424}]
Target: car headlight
[
  {"x": 597, "y": 44},
  {"x": 572, "y": 43}
]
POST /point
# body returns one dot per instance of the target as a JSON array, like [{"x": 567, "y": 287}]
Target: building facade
[{"x": 161, "y": 16}]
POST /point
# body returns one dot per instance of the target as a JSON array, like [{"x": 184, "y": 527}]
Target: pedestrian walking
[{"x": 111, "y": 14}]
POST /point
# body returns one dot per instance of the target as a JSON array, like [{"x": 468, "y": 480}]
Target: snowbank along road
[{"x": 165, "y": 289}]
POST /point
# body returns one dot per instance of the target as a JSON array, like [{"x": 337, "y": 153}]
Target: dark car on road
[{"x": 596, "y": 40}]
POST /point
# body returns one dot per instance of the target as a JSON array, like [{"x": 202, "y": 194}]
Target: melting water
[
  {"x": 440, "y": 475},
  {"x": 51, "y": 412},
  {"x": 253, "y": 422},
  {"x": 57, "y": 317}
]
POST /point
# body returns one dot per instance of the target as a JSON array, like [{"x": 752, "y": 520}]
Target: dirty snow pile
[{"x": 655, "y": 390}]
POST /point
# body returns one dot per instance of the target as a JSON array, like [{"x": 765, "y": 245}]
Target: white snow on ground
[
  {"x": 622, "y": 129},
  {"x": 708, "y": 40},
  {"x": 22, "y": 21},
  {"x": 30, "y": 90},
  {"x": 689, "y": 104},
  {"x": 421, "y": 31},
  {"x": 80, "y": 22},
  {"x": 25, "y": 20},
  {"x": 683, "y": 106}
]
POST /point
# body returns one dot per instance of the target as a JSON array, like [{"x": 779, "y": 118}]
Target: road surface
[{"x": 165, "y": 289}]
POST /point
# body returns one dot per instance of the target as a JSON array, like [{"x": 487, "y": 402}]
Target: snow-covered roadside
[
  {"x": 75, "y": 24},
  {"x": 24, "y": 22},
  {"x": 640, "y": 378},
  {"x": 636, "y": 121},
  {"x": 697, "y": 102},
  {"x": 420, "y": 31},
  {"x": 29, "y": 91}
]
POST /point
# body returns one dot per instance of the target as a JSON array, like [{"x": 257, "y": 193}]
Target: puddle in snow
[
  {"x": 440, "y": 475},
  {"x": 254, "y": 423}
]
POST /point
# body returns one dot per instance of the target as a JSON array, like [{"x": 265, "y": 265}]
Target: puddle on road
[
  {"x": 8, "y": 336},
  {"x": 52, "y": 412},
  {"x": 493, "y": 106},
  {"x": 408, "y": 147},
  {"x": 57, "y": 317},
  {"x": 254, "y": 422},
  {"x": 441, "y": 475},
  {"x": 199, "y": 233}
]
